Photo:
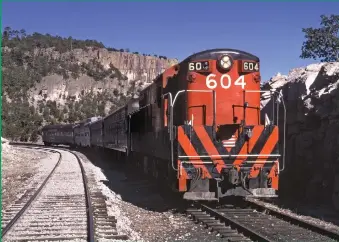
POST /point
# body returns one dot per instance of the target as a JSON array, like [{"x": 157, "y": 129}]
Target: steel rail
[
  {"x": 90, "y": 217},
  {"x": 234, "y": 224},
  {"x": 29, "y": 202},
  {"x": 294, "y": 220},
  {"x": 89, "y": 208}
]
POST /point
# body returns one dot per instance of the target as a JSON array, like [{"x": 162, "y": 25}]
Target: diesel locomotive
[{"x": 198, "y": 127}]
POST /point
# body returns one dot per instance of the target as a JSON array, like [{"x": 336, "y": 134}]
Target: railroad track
[
  {"x": 247, "y": 222},
  {"x": 257, "y": 223},
  {"x": 79, "y": 213},
  {"x": 29, "y": 191},
  {"x": 60, "y": 209}
]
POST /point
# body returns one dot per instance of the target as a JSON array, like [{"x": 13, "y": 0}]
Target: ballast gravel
[
  {"x": 140, "y": 211},
  {"x": 21, "y": 169},
  {"x": 59, "y": 209},
  {"x": 312, "y": 220}
]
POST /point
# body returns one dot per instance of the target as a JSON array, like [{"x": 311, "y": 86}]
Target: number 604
[{"x": 225, "y": 81}]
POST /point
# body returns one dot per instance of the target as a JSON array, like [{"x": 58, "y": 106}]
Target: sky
[{"x": 270, "y": 30}]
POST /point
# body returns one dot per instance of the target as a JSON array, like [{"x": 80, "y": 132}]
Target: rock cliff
[
  {"x": 123, "y": 74},
  {"x": 94, "y": 70},
  {"x": 50, "y": 79},
  {"x": 311, "y": 95}
]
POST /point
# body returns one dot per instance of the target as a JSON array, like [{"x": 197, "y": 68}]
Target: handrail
[
  {"x": 284, "y": 133},
  {"x": 171, "y": 105},
  {"x": 173, "y": 101},
  {"x": 170, "y": 127}
]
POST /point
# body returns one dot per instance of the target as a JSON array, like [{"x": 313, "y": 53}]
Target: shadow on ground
[
  {"x": 131, "y": 185},
  {"x": 139, "y": 191},
  {"x": 149, "y": 195}
]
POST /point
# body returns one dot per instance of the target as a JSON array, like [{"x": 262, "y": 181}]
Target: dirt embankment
[{"x": 18, "y": 169}]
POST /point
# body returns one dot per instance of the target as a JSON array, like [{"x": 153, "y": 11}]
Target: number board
[
  {"x": 249, "y": 66},
  {"x": 199, "y": 66}
]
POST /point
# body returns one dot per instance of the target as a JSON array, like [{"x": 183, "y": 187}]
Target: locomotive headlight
[{"x": 225, "y": 62}]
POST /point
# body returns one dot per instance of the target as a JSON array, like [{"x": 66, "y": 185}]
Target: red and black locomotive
[{"x": 198, "y": 127}]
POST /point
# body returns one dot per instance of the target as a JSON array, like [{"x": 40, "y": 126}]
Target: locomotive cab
[{"x": 219, "y": 147}]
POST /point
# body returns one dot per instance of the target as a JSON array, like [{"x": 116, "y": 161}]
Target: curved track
[
  {"x": 250, "y": 221},
  {"x": 254, "y": 223},
  {"x": 30, "y": 198},
  {"x": 60, "y": 209}
]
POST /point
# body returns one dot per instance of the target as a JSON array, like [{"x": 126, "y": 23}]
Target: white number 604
[{"x": 225, "y": 81}]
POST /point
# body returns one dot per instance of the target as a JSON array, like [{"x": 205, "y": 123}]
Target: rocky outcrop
[
  {"x": 82, "y": 75},
  {"x": 46, "y": 80},
  {"x": 128, "y": 69},
  {"x": 134, "y": 66},
  {"x": 311, "y": 96},
  {"x": 91, "y": 69}
]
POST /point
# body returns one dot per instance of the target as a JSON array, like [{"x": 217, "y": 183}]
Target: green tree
[
  {"x": 45, "y": 114},
  {"x": 34, "y": 136},
  {"x": 322, "y": 43},
  {"x": 25, "y": 63}
]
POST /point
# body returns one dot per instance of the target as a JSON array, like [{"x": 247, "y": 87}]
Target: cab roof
[{"x": 214, "y": 54}]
